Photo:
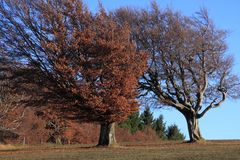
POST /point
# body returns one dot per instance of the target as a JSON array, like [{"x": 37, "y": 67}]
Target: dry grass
[
  {"x": 211, "y": 150},
  {"x": 8, "y": 147}
]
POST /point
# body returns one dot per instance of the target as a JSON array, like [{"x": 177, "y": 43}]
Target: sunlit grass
[{"x": 211, "y": 150}]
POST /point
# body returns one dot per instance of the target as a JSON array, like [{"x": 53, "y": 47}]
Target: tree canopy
[
  {"x": 87, "y": 65},
  {"x": 85, "y": 61},
  {"x": 188, "y": 67}
]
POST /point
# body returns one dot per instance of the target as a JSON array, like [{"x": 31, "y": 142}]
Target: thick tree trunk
[
  {"x": 193, "y": 128},
  {"x": 107, "y": 135}
]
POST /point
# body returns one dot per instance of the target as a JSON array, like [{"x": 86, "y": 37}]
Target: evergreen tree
[
  {"x": 147, "y": 117},
  {"x": 133, "y": 123},
  {"x": 160, "y": 127},
  {"x": 174, "y": 133}
]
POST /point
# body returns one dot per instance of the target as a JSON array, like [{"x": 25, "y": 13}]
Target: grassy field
[{"x": 210, "y": 150}]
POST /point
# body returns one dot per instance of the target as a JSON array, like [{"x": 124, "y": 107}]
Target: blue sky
[{"x": 222, "y": 122}]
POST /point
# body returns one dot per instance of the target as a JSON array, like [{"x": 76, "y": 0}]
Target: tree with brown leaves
[
  {"x": 188, "y": 69},
  {"x": 85, "y": 61}
]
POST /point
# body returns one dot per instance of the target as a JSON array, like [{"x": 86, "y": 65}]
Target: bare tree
[
  {"x": 11, "y": 112},
  {"x": 189, "y": 69}
]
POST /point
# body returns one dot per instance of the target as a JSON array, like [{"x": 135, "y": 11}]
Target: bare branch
[{"x": 214, "y": 104}]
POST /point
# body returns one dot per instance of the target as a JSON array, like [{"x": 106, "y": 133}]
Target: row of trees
[
  {"x": 95, "y": 66},
  {"x": 140, "y": 122}
]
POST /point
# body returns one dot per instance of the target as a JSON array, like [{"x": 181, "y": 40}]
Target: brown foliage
[
  {"x": 147, "y": 135},
  {"x": 84, "y": 62},
  {"x": 35, "y": 131},
  {"x": 32, "y": 129}
]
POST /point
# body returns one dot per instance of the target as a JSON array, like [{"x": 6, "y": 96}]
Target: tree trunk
[
  {"x": 193, "y": 128},
  {"x": 107, "y": 135},
  {"x": 58, "y": 140}
]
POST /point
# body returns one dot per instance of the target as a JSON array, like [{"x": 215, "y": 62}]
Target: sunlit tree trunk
[
  {"x": 193, "y": 127},
  {"x": 58, "y": 140},
  {"x": 107, "y": 135}
]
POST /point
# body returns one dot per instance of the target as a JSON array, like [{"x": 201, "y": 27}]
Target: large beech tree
[
  {"x": 188, "y": 68},
  {"x": 85, "y": 60}
]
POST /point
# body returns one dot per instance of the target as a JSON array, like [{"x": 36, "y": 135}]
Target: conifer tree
[
  {"x": 173, "y": 133},
  {"x": 133, "y": 123},
  {"x": 160, "y": 127},
  {"x": 147, "y": 117}
]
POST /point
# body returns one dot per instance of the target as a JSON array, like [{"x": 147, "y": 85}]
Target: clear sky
[{"x": 222, "y": 122}]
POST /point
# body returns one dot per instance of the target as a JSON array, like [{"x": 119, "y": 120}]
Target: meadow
[{"x": 210, "y": 150}]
